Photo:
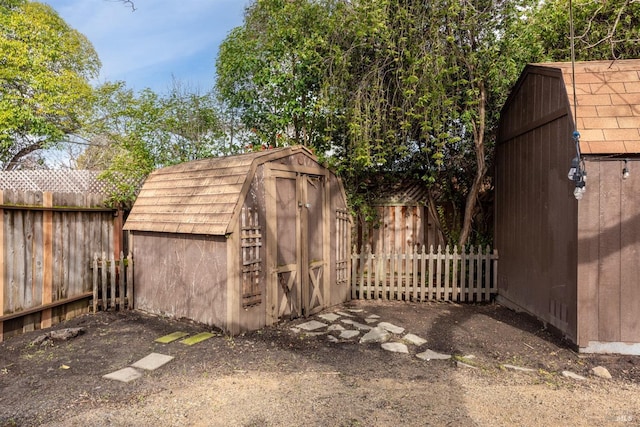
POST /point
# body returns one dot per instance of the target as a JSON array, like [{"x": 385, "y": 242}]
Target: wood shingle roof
[
  {"x": 199, "y": 197},
  {"x": 608, "y": 104}
]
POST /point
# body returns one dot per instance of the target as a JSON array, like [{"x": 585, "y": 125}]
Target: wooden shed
[
  {"x": 575, "y": 264},
  {"x": 243, "y": 241}
]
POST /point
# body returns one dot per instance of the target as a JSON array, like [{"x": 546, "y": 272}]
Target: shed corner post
[
  {"x": 47, "y": 255},
  {"x": 326, "y": 247},
  {"x": 233, "y": 280}
]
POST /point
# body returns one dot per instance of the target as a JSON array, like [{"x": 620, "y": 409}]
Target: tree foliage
[
  {"x": 398, "y": 86},
  {"x": 45, "y": 67},
  {"x": 131, "y": 134},
  {"x": 270, "y": 70},
  {"x": 604, "y": 30}
]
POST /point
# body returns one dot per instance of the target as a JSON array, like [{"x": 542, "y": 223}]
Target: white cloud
[{"x": 158, "y": 39}]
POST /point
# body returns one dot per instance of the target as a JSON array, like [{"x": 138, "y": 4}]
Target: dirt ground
[{"x": 276, "y": 377}]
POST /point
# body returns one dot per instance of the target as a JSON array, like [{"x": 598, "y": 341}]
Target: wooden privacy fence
[
  {"x": 47, "y": 241},
  {"x": 112, "y": 282},
  {"x": 469, "y": 275}
]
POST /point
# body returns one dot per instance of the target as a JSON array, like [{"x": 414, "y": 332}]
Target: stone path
[
  {"x": 342, "y": 326},
  {"x": 346, "y": 325},
  {"x": 339, "y": 326}
]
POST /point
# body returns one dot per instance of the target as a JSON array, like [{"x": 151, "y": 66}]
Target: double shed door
[{"x": 299, "y": 278}]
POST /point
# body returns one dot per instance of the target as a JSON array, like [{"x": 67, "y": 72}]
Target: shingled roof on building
[
  {"x": 608, "y": 103},
  {"x": 199, "y": 197}
]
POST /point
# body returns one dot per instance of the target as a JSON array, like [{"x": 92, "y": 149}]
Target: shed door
[{"x": 300, "y": 267}]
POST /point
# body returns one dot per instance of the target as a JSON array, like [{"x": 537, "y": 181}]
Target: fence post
[
  {"x": 472, "y": 286},
  {"x": 370, "y": 282},
  {"x": 495, "y": 271},
  {"x": 120, "y": 275},
  {"x": 414, "y": 269},
  {"x": 113, "y": 285},
  {"x": 430, "y": 274},
  {"x": 487, "y": 273},
  {"x": 464, "y": 278},
  {"x": 354, "y": 272},
  {"x": 439, "y": 259},
  {"x": 95, "y": 283},
  {"x": 103, "y": 277},
  {"x": 479, "y": 273},
  {"x": 423, "y": 272},
  {"x": 454, "y": 276}
]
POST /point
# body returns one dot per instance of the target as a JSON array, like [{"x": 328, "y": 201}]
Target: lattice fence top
[
  {"x": 404, "y": 193},
  {"x": 55, "y": 181}
]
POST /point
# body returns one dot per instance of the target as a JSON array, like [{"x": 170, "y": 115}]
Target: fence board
[{"x": 463, "y": 275}]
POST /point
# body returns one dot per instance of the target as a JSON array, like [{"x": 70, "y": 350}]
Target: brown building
[
  {"x": 240, "y": 242},
  {"x": 573, "y": 264}
]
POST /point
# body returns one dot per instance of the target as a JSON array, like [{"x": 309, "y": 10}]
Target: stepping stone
[
  {"x": 376, "y": 335},
  {"x": 342, "y": 313},
  {"x": 349, "y": 334},
  {"x": 295, "y": 330},
  {"x": 335, "y": 328},
  {"x": 197, "y": 338},
  {"x": 395, "y": 347},
  {"x": 432, "y": 355},
  {"x": 329, "y": 317},
  {"x": 312, "y": 325},
  {"x": 373, "y": 316},
  {"x": 348, "y": 321},
  {"x": 572, "y": 375},
  {"x": 315, "y": 334},
  {"x": 361, "y": 326},
  {"x": 371, "y": 320},
  {"x": 414, "y": 339},
  {"x": 518, "y": 368},
  {"x": 391, "y": 327},
  {"x": 152, "y": 361},
  {"x": 124, "y": 375},
  {"x": 331, "y": 338},
  {"x": 356, "y": 310},
  {"x": 171, "y": 337},
  {"x": 602, "y": 372}
]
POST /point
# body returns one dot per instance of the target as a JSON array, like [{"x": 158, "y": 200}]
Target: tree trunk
[{"x": 481, "y": 169}]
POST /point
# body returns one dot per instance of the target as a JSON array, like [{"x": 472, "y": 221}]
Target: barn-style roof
[
  {"x": 608, "y": 103},
  {"x": 199, "y": 197}
]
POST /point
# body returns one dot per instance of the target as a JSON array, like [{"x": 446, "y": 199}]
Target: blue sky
[{"x": 160, "y": 39}]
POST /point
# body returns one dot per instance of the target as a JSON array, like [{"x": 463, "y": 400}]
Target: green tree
[
  {"x": 603, "y": 30},
  {"x": 406, "y": 87},
  {"x": 269, "y": 71},
  {"x": 131, "y": 134},
  {"x": 45, "y": 67},
  {"x": 421, "y": 84}
]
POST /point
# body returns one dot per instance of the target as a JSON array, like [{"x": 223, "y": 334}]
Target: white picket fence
[{"x": 469, "y": 275}]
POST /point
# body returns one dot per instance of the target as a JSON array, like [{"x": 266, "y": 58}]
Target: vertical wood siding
[
  {"x": 536, "y": 213},
  {"x": 609, "y": 255}
]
